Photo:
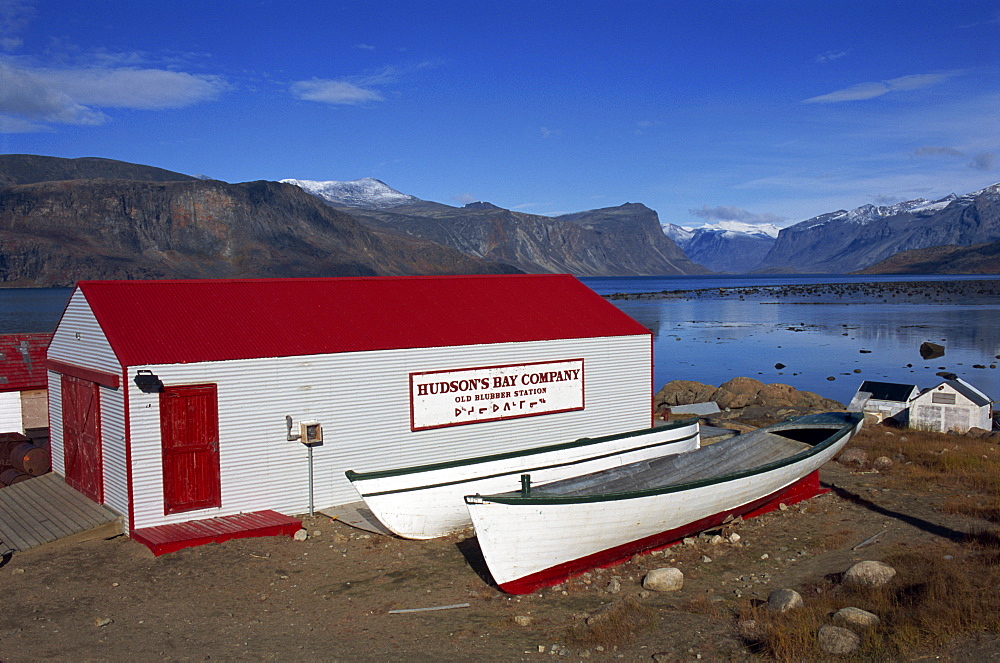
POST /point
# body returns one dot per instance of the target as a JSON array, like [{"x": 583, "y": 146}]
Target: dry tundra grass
[{"x": 940, "y": 592}]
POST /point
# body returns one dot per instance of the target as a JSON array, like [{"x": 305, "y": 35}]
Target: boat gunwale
[
  {"x": 851, "y": 421},
  {"x": 561, "y": 446},
  {"x": 528, "y": 470}
]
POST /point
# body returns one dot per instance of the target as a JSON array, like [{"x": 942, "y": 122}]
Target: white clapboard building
[
  {"x": 953, "y": 405},
  {"x": 175, "y": 401}
]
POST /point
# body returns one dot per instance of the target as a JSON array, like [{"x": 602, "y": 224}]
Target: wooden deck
[{"x": 44, "y": 509}]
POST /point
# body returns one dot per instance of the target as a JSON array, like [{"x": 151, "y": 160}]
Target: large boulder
[
  {"x": 740, "y": 392},
  {"x": 869, "y": 573}
]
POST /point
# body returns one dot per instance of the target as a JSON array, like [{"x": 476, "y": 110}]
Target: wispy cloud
[
  {"x": 76, "y": 96},
  {"x": 984, "y": 161},
  {"x": 334, "y": 92},
  {"x": 364, "y": 47},
  {"x": 935, "y": 150},
  {"x": 464, "y": 198},
  {"x": 727, "y": 213},
  {"x": 354, "y": 90},
  {"x": 549, "y": 133},
  {"x": 14, "y": 16},
  {"x": 870, "y": 90},
  {"x": 979, "y": 161},
  {"x": 830, "y": 56}
]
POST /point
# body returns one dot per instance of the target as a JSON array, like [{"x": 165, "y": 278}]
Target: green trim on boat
[
  {"x": 582, "y": 442},
  {"x": 523, "y": 470},
  {"x": 851, "y": 419}
]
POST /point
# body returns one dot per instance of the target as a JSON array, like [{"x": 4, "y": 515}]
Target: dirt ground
[{"x": 329, "y": 597}]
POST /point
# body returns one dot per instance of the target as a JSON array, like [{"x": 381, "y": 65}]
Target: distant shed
[
  {"x": 175, "y": 400},
  {"x": 884, "y": 399},
  {"x": 23, "y": 403},
  {"x": 953, "y": 405}
]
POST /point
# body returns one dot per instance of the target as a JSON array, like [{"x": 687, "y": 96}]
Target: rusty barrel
[
  {"x": 28, "y": 458},
  {"x": 10, "y": 477}
]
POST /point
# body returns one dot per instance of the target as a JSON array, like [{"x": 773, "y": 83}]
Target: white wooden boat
[
  {"x": 542, "y": 535},
  {"x": 426, "y": 501}
]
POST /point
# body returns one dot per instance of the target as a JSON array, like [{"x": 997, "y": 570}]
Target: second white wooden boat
[
  {"x": 426, "y": 501},
  {"x": 542, "y": 535}
]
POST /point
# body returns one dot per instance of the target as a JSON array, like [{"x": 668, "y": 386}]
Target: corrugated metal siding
[
  {"x": 56, "y": 423},
  {"x": 113, "y": 448},
  {"x": 362, "y": 400},
  {"x": 10, "y": 412},
  {"x": 22, "y": 361},
  {"x": 80, "y": 340}
]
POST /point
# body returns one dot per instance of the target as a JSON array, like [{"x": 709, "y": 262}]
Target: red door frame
[
  {"x": 82, "y": 446},
  {"x": 189, "y": 434}
]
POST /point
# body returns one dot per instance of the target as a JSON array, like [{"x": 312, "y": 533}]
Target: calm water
[{"x": 712, "y": 341}]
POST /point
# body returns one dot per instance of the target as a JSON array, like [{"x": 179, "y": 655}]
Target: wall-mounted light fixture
[{"x": 147, "y": 382}]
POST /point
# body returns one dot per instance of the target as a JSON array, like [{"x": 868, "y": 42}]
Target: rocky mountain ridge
[
  {"x": 615, "y": 241},
  {"x": 57, "y": 232},
  {"x": 847, "y": 241}
]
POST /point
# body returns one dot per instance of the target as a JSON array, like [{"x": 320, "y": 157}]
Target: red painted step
[{"x": 164, "y": 539}]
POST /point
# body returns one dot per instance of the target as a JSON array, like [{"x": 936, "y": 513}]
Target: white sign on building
[{"x": 474, "y": 395}]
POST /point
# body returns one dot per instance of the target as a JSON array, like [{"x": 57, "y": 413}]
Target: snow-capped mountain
[
  {"x": 846, "y": 241},
  {"x": 869, "y": 213},
  {"x": 727, "y": 246},
  {"x": 366, "y": 192}
]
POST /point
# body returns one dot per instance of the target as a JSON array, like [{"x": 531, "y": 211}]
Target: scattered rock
[
  {"x": 930, "y": 350},
  {"x": 783, "y": 600},
  {"x": 882, "y": 463},
  {"x": 869, "y": 573},
  {"x": 751, "y": 630},
  {"x": 779, "y": 366},
  {"x": 716, "y": 540},
  {"x": 301, "y": 535},
  {"x": 667, "y": 579},
  {"x": 615, "y": 586},
  {"x": 734, "y": 537},
  {"x": 837, "y": 640},
  {"x": 102, "y": 621},
  {"x": 853, "y": 458},
  {"x": 855, "y": 618},
  {"x": 522, "y": 620}
]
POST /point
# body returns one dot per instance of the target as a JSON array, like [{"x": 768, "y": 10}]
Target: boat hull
[
  {"x": 531, "y": 542},
  {"x": 427, "y": 502},
  {"x": 802, "y": 489}
]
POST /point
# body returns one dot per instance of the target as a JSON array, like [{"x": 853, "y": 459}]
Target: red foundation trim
[
  {"x": 163, "y": 539},
  {"x": 803, "y": 489}
]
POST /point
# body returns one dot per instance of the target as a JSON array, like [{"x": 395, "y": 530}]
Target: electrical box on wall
[{"x": 310, "y": 432}]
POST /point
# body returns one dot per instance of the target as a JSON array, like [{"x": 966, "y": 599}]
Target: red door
[
  {"x": 82, "y": 437},
  {"x": 189, "y": 428}
]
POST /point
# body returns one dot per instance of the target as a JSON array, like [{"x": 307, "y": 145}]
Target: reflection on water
[{"x": 712, "y": 341}]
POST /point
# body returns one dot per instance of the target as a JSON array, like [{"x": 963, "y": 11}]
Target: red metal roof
[
  {"x": 22, "y": 361},
  {"x": 166, "y": 322}
]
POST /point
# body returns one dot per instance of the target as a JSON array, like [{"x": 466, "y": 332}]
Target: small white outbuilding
[
  {"x": 954, "y": 405},
  {"x": 175, "y": 401}
]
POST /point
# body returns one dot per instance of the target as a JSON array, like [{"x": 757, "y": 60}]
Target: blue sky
[{"x": 766, "y": 111}]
